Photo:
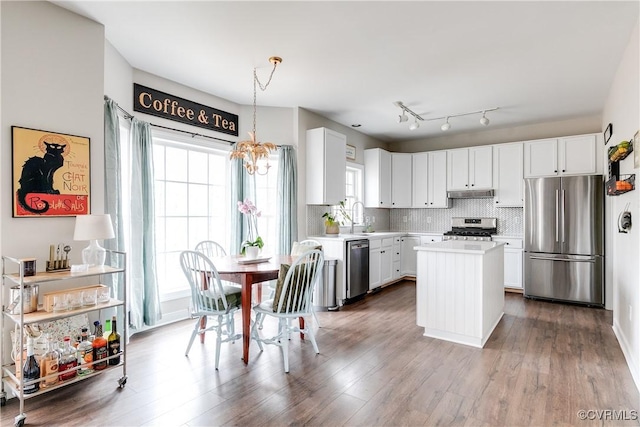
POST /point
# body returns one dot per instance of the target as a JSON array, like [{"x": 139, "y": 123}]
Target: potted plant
[
  {"x": 331, "y": 224},
  {"x": 251, "y": 247}
]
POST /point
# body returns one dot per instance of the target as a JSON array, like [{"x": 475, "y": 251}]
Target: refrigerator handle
[
  {"x": 543, "y": 258},
  {"x": 562, "y": 213},
  {"x": 557, "y": 223}
]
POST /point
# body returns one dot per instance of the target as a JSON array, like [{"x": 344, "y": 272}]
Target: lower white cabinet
[
  {"x": 380, "y": 261},
  {"x": 397, "y": 258},
  {"x": 409, "y": 258},
  {"x": 513, "y": 261}
]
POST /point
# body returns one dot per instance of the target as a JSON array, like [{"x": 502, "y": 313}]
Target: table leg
[
  {"x": 246, "y": 315},
  {"x": 203, "y": 326},
  {"x": 301, "y": 322}
]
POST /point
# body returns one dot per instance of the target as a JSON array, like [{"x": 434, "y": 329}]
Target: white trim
[{"x": 628, "y": 354}]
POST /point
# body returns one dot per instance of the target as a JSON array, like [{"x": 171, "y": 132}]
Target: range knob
[{"x": 464, "y": 238}]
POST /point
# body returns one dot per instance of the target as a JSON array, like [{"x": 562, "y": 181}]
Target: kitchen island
[{"x": 460, "y": 290}]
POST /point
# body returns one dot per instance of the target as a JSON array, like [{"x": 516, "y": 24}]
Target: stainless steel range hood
[{"x": 470, "y": 194}]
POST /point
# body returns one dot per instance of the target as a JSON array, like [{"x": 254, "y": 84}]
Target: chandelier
[{"x": 251, "y": 151}]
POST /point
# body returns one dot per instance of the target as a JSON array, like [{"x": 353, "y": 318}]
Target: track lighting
[{"x": 484, "y": 120}]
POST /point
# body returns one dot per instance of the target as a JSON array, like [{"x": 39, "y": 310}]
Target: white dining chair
[
  {"x": 292, "y": 301},
  {"x": 211, "y": 249},
  {"x": 210, "y": 298}
]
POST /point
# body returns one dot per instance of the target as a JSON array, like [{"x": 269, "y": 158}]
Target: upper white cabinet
[
  {"x": 508, "y": 175},
  {"x": 377, "y": 178},
  {"x": 430, "y": 180},
  {"x": 470, "y": 168},
  {"x": 401, "y": 180},
  {"x": 573, "y": 155},
  {"x": 326, "y": 166}
]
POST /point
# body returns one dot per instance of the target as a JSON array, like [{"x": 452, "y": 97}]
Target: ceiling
[{"x": 350, "y": 61}]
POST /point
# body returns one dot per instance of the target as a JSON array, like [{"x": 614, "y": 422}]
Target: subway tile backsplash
[{"x": 510, "y": 220}]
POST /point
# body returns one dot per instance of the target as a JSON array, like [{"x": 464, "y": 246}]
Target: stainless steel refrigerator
[{"x": 564, "y": 239}]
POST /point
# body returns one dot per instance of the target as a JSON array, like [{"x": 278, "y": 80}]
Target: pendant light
[
  {"x": 251, "y": 150},
  {"x": 446, "y": 125}
]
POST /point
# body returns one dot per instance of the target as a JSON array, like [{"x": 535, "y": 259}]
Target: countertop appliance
[
  {"x": 472, "y": 229},
  {"x": 564, "y": 239},
  {"x": 357, "y": 267}
]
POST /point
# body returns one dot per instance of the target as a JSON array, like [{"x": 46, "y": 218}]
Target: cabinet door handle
[{"x": 563, "y": 170}]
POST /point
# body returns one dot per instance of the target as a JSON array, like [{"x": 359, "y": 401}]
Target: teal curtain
[
  {"x": 243, "y": 186},
  {"x": 287, "y": 216},
  {"x": 144, "y": 294},
  {"x": 113, "y": 191}
]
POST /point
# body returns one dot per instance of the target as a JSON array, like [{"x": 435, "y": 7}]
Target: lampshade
[{"x": 93, "y": 228}]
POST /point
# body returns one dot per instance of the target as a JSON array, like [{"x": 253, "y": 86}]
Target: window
[
  {"x": 192, "y": 203},
  {"x": 354, "y": 191},
  {"x": 266, "y": 202}
]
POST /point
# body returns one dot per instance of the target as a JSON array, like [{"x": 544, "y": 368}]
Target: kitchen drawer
[
  {"x": 397, "y": 240},
  {"x": 387, "y": 241},
  {"x": 430, "y": 239},
  {"x": 510, "y": 243},
  {"x": 375, "y": 243},
  {"x": 396, "y": 253}
]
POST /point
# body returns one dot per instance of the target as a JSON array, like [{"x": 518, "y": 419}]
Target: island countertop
[{"x": 460, "y": 246}]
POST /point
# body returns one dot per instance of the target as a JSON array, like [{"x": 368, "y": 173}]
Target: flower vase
[
  {"x": 251, "y": 252},
  {"x": 332, "y": 229}
]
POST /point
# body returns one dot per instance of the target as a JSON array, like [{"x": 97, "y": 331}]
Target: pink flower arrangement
[{"x": 252, "y": 213}]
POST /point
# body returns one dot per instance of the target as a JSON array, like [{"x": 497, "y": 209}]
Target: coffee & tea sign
[{"x": 160, "y": 104}]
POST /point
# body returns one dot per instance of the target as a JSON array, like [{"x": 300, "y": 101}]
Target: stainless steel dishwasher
[{"x": 357, "y": 268}]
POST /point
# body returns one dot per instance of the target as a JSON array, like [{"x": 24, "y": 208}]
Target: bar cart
[{"x": 21, "y": 318}]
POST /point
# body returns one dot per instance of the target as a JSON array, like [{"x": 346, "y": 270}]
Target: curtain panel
[{"x": 287, "y": 217}]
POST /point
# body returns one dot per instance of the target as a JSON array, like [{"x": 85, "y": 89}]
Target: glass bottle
[
  {"x": 49, "y": 365},
  {"x": 107, "y": 329},
  {"x": 100, "y": 351},
  {"x": 30, "y": 370},
  {"x": 85, "y": 353},
  {"x": 67, "y": 360},
  {"x": 113, "y": 343}
]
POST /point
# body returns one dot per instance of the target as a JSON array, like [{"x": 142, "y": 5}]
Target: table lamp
[{"x": 93, "y": 228}]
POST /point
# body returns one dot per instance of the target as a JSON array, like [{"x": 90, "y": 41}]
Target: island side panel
[{"x": 493, "y": 291}]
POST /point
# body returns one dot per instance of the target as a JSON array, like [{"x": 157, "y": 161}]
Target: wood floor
[{"x": 543, "y": 364}]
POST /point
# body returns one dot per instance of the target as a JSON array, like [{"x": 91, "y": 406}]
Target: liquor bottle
[
  {"x": 100, "y": 351},
  {"x": 114, "y": 343},
  {"x": 67, "y": 360},
  {"x": 49, "y": 365},
  {"x": 30, "y": 369},
  {"x": 85, "y": 353},
  {"x": 107, "y": 329}
]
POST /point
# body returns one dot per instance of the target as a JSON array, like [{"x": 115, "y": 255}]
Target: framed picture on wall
[
  {"x": 351, "y": 152},
  {"x": 607, "y": 133},
  {"x": 51, "y": 173}
]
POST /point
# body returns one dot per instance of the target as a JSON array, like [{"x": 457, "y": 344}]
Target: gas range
[{"x": 478, "y": 229}]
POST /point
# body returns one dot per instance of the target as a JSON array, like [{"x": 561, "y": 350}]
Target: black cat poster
[{"x": 51, "y": 173}]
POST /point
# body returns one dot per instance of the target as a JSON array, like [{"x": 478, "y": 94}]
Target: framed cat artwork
[{"x": 51, "y": 173}]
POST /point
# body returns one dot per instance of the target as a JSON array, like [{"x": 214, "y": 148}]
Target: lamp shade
[{"x": 93, "y": 227}]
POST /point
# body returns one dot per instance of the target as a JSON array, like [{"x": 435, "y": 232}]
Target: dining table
[{"x": 249, "y": 272}]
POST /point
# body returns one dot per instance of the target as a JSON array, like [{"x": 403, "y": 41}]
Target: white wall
[
  {"x": 622, "y": 109},
  {"x": 52, "y": 79}
]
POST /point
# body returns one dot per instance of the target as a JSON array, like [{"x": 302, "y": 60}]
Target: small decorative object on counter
[
  {"x": 30, "y": 369},
  {"x": 49, "y": 365},
  {"x": 67, "y": 360},
  {"x": 114, "y": 343}
]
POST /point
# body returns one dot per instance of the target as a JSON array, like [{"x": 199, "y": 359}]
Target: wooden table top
[{"x": 229, "y": 264}]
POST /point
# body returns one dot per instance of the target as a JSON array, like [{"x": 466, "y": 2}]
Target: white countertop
[{"x": 458, "y": 246}]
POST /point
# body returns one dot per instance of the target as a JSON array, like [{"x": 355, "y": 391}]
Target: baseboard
[
  {"x": 514, "y": 290},
  {"x": 628, "y": 354}
]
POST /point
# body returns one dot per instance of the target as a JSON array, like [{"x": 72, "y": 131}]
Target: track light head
[
  {"x": 484, "y": 121},
  {"x": 415, "y": 125},
  {"x": 402, "y": 118},
  {"x": 446, "y": 125}
]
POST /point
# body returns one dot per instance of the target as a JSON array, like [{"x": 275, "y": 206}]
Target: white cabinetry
[
  {"x": 397, "y": 257},
  {"x": 326, "y": 166},
  {"x": 573, "y": 155},
  {"x": 508, "y": 175},
  {"x": 380, "y": 261},
  {"x": 430, "y": 238},
  {"x": 513, "y": 259},
  {"x": 408, "y": 255},
  {"x": 430, "y": 180},
  {"x": 377, "y": 178},
  {"x": 401, "y": 180},
  {"x": 470, "y": 168}
]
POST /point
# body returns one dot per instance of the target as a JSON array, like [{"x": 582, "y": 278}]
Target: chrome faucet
[{"x": 353, "y": 210}]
